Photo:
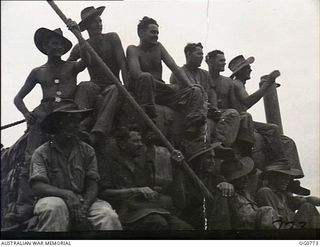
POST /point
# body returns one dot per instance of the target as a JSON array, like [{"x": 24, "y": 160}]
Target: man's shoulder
[
  {"x": 111, "y": 36},
  {"x": 203, "y": 71},
  {"x": 43, "y": 149},
  {"x": 226, "y": 79},
  {"x": 86, "y": 147}
]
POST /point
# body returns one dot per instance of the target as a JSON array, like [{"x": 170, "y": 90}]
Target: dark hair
[
  {"x": 213, "y": 54},
  {"x": 191, "y": 47},
  {"x": 145, "y": 22},
  {"x": 122, "y": 134}
]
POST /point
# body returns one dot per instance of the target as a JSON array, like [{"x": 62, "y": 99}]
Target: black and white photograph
[{"x": 159, "y": 119}]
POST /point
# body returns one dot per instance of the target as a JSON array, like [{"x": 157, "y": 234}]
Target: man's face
[
  {"x": 195, "y": 58},
  {"x": 217, "y": 63},
  {"x": 150, "y": 34},
  {"x": 245, "y": 72},
  {"x": 95, "y": 25},
  {"x": 54, "y": 47},
  {"x": 241, "y": 183},
  {"x": 69, "y": 124},
  {"x": 281, "y": 181},
  {"x": 134, "y": 144}
]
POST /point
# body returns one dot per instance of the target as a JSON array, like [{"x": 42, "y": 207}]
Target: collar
[{"x": 74, "y": 151}]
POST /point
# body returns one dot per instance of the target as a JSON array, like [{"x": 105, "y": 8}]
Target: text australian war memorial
[{"x": 128, "y": 151}]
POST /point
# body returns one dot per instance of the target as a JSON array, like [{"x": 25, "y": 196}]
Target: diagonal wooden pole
[
  {"x": 205, "y": 192},
  {"x": 12, "y": 124}
]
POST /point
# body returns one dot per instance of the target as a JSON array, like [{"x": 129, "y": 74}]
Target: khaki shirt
[{"x": 50, "y": 165}]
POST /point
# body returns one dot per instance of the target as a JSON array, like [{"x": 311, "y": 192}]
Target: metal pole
[
  {"x": 206, "y": 193},
  {"x": 272, "y": 107}
]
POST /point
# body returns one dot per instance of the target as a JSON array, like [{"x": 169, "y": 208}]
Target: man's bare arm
[
  {"x": 133, "y": 62},
  {"x": 75, "y": 53},
  {"x": 90, "y": 193},
  {"x": 121, "y": 59},
  {"x": 80, "y": 51},
  {"x": 176, "y": 70},
  {"x": 24, "y": 91},
  {"x": 250, "y": 100}
]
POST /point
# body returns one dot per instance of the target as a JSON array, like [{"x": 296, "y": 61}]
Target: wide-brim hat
[
  {"x": 50, "y": 122},
  {"x": 234, "y": 168},
  {"x": 282, "y": 166},
  {"x": 202, "y": 149},
  {"x": 43, "y": 35},
  {"x": 87, "y": 13},
  {"x": 238, "y": 63}
]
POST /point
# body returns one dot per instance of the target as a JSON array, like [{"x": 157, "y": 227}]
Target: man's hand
[
  {"x": 214, "y": 114},
  {"x": 73, "y": 26},
  {"x": 227, "y": 190},
  {"x": 75, "y": 205},
  {"x": 148, "y": 193},
  {"x": 177, "y": 156},
  {"x": 30, "y": 117}
]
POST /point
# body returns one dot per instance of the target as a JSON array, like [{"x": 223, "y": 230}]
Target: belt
[{"x": 56, "y": 99}]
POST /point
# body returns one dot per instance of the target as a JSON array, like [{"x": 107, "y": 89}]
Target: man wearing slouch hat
[{"x": 64, "y": 175}]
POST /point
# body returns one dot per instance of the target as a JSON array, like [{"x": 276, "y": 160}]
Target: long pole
[
  {"x": 12, "y": 124},
  {"x": 205, "y": 192}
]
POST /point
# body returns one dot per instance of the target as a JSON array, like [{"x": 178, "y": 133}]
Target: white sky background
[{"x": 280, "y": 34}]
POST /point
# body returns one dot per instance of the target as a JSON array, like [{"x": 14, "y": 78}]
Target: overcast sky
[{"x": 280, "y": 34}]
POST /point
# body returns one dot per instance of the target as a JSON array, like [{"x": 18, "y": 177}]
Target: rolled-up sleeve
[{"x": 38, "y": 170}]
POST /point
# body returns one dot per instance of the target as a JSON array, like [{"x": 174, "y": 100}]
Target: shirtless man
[
  {"x": 241, "y": 70},
  {"x": 100, "y": 92},
  {"x": 226, "y": 100},
  {"x": 145, "y": 68},
  {"x": 57, "y": 79}
]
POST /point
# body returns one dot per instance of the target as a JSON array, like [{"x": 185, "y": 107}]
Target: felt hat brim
[
  {"x": 247, "y": 167},
  {"x": 83, "y": 23},
  {"x": 245, "y": 63},
  {"x": 50, "y": 123},
  {"x": 42, "y": 35}
]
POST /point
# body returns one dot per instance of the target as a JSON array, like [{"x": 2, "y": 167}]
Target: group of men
[{"x": 87, "y": 173}]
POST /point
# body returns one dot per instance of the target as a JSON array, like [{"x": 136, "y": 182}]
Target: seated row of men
[{"x": 64, "y": 174}]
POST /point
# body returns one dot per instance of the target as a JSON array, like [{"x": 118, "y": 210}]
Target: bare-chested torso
[
  {"x": 224, "y": 91},
  {"x": 59, "y": 80},
  {"x": 150, "y": 60},
  {"x": 104, "y": 46}
]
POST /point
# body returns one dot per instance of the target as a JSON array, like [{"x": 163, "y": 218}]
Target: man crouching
[{"x": 64, "y": 175}]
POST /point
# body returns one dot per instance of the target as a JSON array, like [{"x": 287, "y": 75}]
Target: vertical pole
[{"x": 271, "y": 106}]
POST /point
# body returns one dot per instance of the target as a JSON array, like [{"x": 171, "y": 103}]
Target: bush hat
[
  {"x": 238, "y": 63},
  {"x": 87, "y": 13},
  {"x": 234, "y": 168},
  {"x": 43, "y": 35},
  {"x": 50, "y": 122},
  {"x": 282, "y": 166}
]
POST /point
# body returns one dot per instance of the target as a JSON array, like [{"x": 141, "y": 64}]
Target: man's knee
[
  {"x": 308, "y": 207},
  {"x": 53, "y": 215},
  {"x": 87, "y": 85},
  {"x": 231, "y": 112},
  {"x": 52, "y": 205},
  {"x": 145, "y": 77},
  {"x": 103, "y": 217}
]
